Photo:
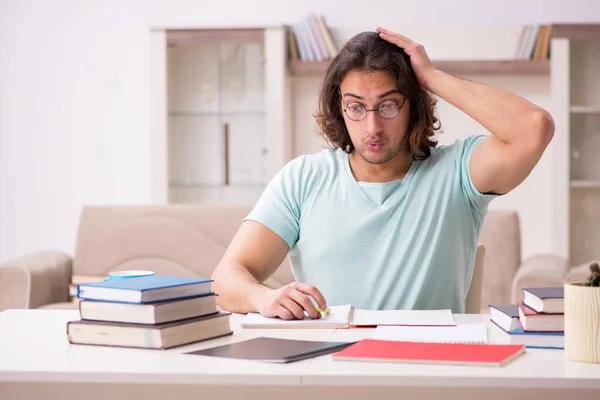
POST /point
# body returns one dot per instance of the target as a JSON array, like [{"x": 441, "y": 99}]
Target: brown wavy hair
[{"x": 368, "y": 52}]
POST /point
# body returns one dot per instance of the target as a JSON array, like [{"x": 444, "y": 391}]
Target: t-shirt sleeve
[
  {"x": 279, "y": 206},
  {"x": 465, "y": 147}
]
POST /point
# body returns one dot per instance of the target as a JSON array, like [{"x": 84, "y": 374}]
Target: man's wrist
[
  {"x": 431, "y": 79},
  {"x": 257, "y": 292}
]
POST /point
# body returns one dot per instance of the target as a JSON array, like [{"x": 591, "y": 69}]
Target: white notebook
[
  {"x": 347, "y": 316},
  {"x": 467, "y": 333}
]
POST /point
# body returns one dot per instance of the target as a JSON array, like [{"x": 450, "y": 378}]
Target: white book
[
  {"x": 467, "y": 333},
  {"x": 346, "y": 316}
]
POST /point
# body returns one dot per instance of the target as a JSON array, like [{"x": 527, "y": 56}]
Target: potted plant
[{"x": 582, "y": 318}]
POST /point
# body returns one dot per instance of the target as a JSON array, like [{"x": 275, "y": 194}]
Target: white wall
[
  {"x": 74, "y": 87},
  {"x": 74, "y": 116}
]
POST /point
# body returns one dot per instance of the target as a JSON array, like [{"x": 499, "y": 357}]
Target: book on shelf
[
  {"x": 150, "y": 313},
  {"x": 156, "y": 336},
  {"x": 311, "y": 40},
  {"x": 545, "y": 299},
  {"x": 534, "y": 42},
  {"x": 346, "y": 316},
  {"x": 430, "y": 353},
  {"x": 144, "y": 289}
]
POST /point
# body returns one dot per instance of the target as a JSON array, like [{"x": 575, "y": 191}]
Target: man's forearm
[
  {"x": 507, "y": 116},
  {"x": 237, "y": 290}
]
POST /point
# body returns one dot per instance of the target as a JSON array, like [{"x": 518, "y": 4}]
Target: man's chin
[{"x": 376, "y": 157}]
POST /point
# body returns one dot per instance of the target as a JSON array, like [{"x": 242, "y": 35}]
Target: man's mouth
[{"x": 374, "y": 145}]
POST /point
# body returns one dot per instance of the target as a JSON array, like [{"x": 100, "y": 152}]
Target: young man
[{"x": 386, "y": 219}]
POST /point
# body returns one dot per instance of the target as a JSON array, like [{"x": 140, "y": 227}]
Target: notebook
[
  {"x": 467, "y": 333},
  {"x": 346, "y": 316},
  {"x": 273, "y": 350},
  {"x": 145, "y": 289},
  {"x": 430, "y": 353}
]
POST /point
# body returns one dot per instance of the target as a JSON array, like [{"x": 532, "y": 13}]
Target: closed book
[
  {"x": 150, "y": 313},
  {"x": 273, "y": 350},
  {"x": 534, "y": 340},
  {"x": 532, "y": 321},
  {"x": 160, "y": 336},
  {"x": 545, "y": 300},
  {"x": 505, "y": 316},
  {"x": 430, "y": 353},
  {"x": 145, "y": 289}
]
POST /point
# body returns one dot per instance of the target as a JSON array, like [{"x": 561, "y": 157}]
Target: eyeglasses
[{"x": 388, "y": 110}]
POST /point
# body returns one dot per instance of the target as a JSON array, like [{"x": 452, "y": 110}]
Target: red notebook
[{"x": 431, "y": 353}]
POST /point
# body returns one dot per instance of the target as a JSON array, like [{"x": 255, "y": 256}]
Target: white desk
[{"x": 37, "y": 361}]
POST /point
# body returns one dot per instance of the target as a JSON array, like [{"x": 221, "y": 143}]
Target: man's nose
[{"x": 374, "y": 122}]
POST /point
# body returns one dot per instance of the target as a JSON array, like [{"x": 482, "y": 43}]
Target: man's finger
[
  {"x": 393, "y": 34},
  {"x": 295, "y": 308},
  {"x": 283, "y": 313},
  {"x": 312, "y": 292},
  {"x": 305, "y": 302}
]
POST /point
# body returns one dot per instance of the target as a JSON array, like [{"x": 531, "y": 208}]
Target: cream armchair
[{"x": 189, "y": 240}]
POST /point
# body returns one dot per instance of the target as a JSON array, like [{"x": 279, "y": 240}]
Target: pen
[{"x": 326, "y": 312}]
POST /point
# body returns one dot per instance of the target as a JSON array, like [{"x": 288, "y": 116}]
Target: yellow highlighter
[{"x": 326, "y": 312}]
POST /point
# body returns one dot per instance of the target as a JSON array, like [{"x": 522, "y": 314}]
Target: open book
[{"x": 347, "y": 316}]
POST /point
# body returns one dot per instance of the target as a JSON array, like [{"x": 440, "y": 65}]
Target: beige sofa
[{"x": 189, "y": 240}]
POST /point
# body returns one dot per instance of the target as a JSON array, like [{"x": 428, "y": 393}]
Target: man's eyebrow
[
  {"x": 388, "y": 93},
  {"x": 380, "y": 96}
]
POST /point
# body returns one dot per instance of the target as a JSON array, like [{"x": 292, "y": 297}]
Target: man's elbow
[{"x": 542, "y": 128}]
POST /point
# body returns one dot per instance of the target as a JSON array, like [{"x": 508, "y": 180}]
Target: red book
[{"x": 431, "y": 353}]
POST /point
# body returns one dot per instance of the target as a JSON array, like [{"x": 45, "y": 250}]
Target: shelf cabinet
[
  {"x": 221, "y": 123},
  {"x": 455, "y": 67},
  {"x": 576, "y": 109}
]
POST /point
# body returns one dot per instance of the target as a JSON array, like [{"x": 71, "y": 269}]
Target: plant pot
[{"x": 582, "y": 322}]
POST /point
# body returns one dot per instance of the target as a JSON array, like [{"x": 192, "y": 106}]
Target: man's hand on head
[{"x": 419, "y": 59}]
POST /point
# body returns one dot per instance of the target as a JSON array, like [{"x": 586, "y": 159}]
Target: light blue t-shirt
[{"x": 407, "y": 244}]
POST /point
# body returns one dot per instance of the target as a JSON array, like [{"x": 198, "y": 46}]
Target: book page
[
  {"x": 468, "y": 333},
  {"x": 338, "y": 317},
  {"x": 403, "y": 317}
]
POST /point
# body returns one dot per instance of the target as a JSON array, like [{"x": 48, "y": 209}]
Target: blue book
[
  {"x": 539, "y": 340},
  {"x": 145, "y": 289}
]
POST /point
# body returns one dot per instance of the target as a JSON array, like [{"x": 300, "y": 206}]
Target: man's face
[{"x": 376, "y": 139}]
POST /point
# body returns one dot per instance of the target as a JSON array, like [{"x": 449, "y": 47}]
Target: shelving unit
[
  {"x": 576, "y": 96},
  {"x": 456, "y": 67},
  {"x": 220, "y": 127}
]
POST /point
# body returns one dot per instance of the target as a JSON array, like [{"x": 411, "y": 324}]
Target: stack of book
[
  {"x": 154, "y": 312},
  {"x": 537, "y": 321}
]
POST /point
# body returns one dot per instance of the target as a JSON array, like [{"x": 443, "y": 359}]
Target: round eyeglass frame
[{"x": 374, "y": 109}]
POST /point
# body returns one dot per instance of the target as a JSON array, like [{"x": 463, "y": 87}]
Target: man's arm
[
  {"x": 520, "y": 131},
  {"x": 252, "y": 257}
]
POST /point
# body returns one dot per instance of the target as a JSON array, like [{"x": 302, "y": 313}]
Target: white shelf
[
  {"x": 225, "y": 187},
  {"x": 216, "y": 113},
  {"x": 585, "y": 109},
  {"x": 585, "y": 184}
]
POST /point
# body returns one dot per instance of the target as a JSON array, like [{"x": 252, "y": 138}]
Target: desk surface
[{"x": 34, "y": 348}]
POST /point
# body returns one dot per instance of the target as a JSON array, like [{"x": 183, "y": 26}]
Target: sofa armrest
[
  {"x": 543, "y": 270},
  {"x": 35, "y": 280}
]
